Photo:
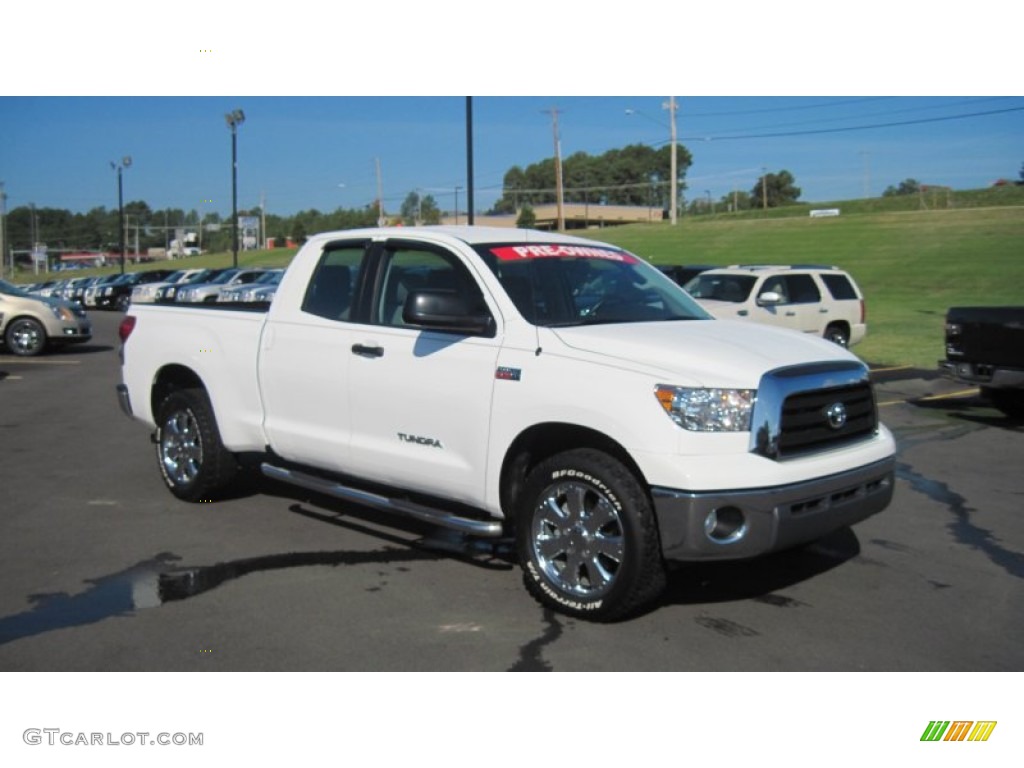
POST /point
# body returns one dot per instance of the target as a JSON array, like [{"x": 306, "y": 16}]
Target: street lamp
[
  {"x": 126, "y": 162},
  {"x": 234, "y": 119}
]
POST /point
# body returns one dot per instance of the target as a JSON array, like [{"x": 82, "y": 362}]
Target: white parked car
[
  {"x": 199, "y": 293},
  {"x": 824, "y": 301},
  {"x": 255, "y": 290}
]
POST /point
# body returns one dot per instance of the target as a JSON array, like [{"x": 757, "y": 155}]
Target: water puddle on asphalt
[
  {"x": 151, "y": 583},
  {"x": 159, "y": 580}
]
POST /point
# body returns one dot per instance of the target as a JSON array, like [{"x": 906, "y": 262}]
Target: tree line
[{"x": 633, "y": 175}]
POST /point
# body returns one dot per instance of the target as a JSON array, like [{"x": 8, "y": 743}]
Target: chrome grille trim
[{"x": 776, "y": 433}]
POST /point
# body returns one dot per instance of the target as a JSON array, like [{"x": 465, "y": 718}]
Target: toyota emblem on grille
[{"x": 836, "y": 415}]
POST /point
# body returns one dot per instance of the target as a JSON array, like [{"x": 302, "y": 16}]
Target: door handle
[
  {"x": 367, "y": 351},
  {"x": 791, "y": 314}
]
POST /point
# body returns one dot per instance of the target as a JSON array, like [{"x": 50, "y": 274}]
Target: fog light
[{"x": 725, "y": 525}]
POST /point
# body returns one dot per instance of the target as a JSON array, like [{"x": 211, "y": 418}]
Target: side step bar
[{"x": 488, "y": 528}]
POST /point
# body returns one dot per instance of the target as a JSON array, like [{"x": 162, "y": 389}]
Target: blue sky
[
  {"x": 321, "y": 152},
  {"x": 328, "y": 96}
]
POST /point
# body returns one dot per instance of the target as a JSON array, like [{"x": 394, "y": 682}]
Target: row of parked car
[{"x": 118, "y": 292}]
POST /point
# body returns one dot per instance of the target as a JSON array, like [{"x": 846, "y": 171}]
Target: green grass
[{"x": 911, "y": 265}]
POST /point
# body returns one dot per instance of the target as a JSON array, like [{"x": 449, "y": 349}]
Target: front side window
[
  {"x": 410, "y": 269},
  {"x": 732, "y": 288}
]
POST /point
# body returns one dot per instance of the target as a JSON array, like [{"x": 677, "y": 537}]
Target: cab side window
[
  {"x": 332, "y": 287},
  {"x": 802, "y": 289},
  {"x": 412, "y": 269}
]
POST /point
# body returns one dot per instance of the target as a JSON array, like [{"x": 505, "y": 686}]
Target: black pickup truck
[{"x": 985, "y": 346}]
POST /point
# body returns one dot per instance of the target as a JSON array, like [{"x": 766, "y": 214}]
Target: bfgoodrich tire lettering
[
  {"x": 587, "y": 538},
  {"x": 192, "y": 460}
]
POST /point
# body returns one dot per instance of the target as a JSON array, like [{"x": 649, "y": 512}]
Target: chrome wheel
[
  {"x": 181, "y": 448},
  {"x": 26, "y": 337},
  {"x": 577, "y": 538}
]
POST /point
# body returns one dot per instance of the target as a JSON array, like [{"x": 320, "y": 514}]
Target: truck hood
[{"x": 708, "y": 353}]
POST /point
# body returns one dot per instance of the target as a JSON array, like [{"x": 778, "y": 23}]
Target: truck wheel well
[
  {"x": 169, "y": 379},
  {"x": 543, "y": 441}
]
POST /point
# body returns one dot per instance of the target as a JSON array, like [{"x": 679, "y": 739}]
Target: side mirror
[
  {"x": 444, "y": 311},
  {"x": 769, "y": 299}
]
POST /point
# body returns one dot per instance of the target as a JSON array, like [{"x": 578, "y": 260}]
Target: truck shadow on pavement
[{"x": 759, "y": 579}]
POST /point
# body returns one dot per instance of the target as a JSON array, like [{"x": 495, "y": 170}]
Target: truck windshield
[{"x": 561, "y": 285}]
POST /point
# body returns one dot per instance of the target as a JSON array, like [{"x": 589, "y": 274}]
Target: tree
[
  {"x": 430, "y": 213},
  {"x": 634, "y": 175},
  {"x": 777, "y": 188},
  {"x": 527, "y": 218},
  {"x": 906, "y": 187},
  {"x": 410, "y": 210}
]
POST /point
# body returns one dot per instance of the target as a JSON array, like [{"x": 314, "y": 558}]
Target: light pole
[
  {"x": 234, "y": 119},
  {"x": 126, "y": 162},
  {"x": 3, "y": 215}
]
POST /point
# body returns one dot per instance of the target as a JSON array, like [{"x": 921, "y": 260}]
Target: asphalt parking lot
[{"x": 104, "y": 570}]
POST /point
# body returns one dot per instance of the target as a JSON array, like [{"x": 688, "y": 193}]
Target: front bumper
[
  {"x": 77, "y": 332},
  {"x": 733, "y": 525}
]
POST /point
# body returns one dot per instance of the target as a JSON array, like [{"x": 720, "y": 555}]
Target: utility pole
[
  {"x": 867, "y": 173},
  {"x": 380, "y": 196},
  {"x": 263, "y": 219},
  {"x": 559, "y": 196},
  {"x": 469, "y": 160},
  {"x": 671, "y": 107}
]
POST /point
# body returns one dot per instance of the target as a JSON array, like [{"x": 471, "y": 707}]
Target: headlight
[
  {"x": 62, "y": 313},
  {"x": 708, "y": 410}
]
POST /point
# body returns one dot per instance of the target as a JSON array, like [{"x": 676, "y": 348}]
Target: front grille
[{"x": 805, "y": 423}]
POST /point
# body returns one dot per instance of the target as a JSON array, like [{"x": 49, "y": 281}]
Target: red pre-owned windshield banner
[{"x": 518, "y": 252}]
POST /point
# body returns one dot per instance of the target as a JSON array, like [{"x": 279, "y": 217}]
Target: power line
[
  {"x": 853, "y": 127},
  {"x": 884, "y": 113}
]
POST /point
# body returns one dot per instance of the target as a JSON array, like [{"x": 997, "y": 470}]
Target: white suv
[{"x": 824, "y": 301}]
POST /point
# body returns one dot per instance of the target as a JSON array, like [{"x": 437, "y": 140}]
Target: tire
[
  {"x": 587, "y": 539},
  {"x": 193, "y": 462},
  {"x": 123, "y": 302},
  {"x": 25, "y": 337},
  {"x": 1009, "y": 401},
  {"x": 837, "y": 334}
]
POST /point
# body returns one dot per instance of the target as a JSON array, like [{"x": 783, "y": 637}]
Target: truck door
[
  {"x": 305, "y": 360},
  {"x": 421, "y": 399}
]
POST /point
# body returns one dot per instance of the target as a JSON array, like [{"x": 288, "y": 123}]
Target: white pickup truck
[{"x": 518, "y": 383}]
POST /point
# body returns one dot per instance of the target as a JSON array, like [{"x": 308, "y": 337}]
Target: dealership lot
[{"x": 105, "y": 570}]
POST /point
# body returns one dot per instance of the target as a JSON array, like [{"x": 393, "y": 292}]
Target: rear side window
[
  {"x": 802, "y": 289},
  {"x": 839, "y": 286},
  {"x": 330, "y": 291}
]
